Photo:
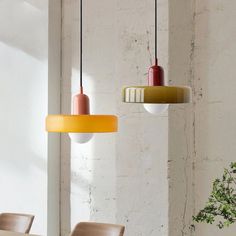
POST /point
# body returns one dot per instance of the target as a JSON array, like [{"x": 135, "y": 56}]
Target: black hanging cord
[
  {"x": 156, "y": 32},
  {"x": 81, "y": 45}
]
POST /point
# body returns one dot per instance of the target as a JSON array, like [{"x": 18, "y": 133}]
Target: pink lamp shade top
[{"x": 81, "y": 104}]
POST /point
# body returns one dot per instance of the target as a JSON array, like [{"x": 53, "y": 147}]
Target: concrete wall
[
  {"x": 215, "y": 128},
  {"x": 201, "y": 136},
  {"x": 23, "y": 88}
]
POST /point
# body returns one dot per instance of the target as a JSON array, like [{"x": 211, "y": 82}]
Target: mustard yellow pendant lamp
[
  {"x": 81, "y": 125},
  {"x": 156, "y": 97}
]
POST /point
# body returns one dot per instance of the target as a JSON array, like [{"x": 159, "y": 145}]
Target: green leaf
[{"x": 222, "y": 200}]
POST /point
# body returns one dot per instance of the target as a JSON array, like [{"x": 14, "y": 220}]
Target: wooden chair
[
  {"x": 19, "y": 223},
  {"x": 98, "y": 229}
]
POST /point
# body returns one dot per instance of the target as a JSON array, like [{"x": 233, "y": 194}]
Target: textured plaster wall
[
  {"x": 23, "y": 88},
  {"x": 202, "y": 135},
  {"x": 116, "y": 178},
  {"x": 214, "y": 86}
]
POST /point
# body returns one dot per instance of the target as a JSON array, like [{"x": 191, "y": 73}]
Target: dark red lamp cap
[{"x": 156, "y": 76}]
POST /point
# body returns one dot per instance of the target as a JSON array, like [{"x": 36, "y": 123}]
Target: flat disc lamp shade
[
  {"x": 81, "y": 123},
  {"x": 156, "y": 94}
]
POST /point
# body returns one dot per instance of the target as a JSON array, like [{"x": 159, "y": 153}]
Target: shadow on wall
[
  {"x": 23, "y": 28},
  {"x": 23, "y": 86},
  {"x": 23, "y": 25},
  {"x": 23, "y": 140}
]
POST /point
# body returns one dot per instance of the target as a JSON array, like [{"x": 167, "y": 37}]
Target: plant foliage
[{"x": 221, "y": 205}]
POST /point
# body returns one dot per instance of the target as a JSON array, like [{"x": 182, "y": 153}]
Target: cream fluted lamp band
[{"x": 156, "y": 94}]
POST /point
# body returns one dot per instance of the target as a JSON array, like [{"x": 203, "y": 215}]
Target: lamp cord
[
  {"x": 81, "y": 46},
  {"x": 156, "y": 32},
  {"x": 81, "y": 41}
]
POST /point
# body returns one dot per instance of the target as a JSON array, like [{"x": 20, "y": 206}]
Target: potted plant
[{"x": 221, "y": 205}]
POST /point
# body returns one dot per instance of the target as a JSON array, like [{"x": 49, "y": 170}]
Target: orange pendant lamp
[
  {"x": 156, "y": 97},
  {"x": 81, "y": 125}
]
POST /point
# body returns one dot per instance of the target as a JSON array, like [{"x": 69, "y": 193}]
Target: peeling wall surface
[
  {"x": 117, "y": 178},
  {"x": 23, "y": 89}
]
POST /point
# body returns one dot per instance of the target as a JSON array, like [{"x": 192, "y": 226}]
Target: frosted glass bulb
[
  {"x": 80, "y": 137},
  {"x": 156, "y": 109}
]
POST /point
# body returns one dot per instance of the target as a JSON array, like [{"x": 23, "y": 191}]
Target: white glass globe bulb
[
  {"x": 156, "y": 109},
  {"x": 80, "y": 137}
]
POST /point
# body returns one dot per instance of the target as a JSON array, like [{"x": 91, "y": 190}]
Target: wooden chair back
[
  {"x": 20, "y": 223},
  {"x": 98, "y": 229}
]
